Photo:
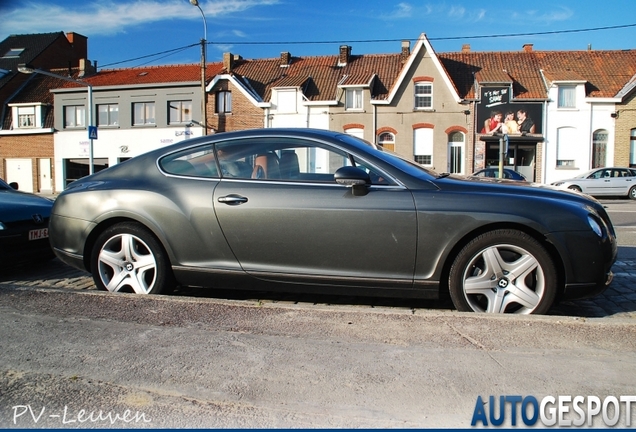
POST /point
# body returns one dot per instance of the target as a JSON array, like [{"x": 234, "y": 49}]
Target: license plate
[{"x": 38, "y": 234}]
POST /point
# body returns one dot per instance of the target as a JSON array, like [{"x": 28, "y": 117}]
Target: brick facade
[
  {"x": 34, "y": 147},
  {"x": 244, "y": 114}
]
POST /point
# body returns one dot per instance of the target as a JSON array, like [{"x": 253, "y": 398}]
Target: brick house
[{"x": 26, "y": 137}]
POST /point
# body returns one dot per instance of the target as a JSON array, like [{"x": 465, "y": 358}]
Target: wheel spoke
[{"x": 523, "y": 296}]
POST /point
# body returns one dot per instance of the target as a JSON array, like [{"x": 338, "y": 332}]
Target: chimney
[
  {"x": 285, "y": 59},
  {"x": 406, "y": 50},
  {"x": 527, "y": 47},
  {"x": 79, "y": 44},
  {"x": 466, "y": 48},
  {"x": 86, "y": 68},
  {"x": 228, "y": 61},
  {"x": 345, "y": 52}
]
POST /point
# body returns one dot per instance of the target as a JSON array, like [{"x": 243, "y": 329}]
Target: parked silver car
[
  {"x": 314, "y": 210},
  {"x": 603, "y": 182}
]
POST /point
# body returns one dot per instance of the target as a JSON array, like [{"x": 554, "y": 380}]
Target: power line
[
  {"x": 432, "y": 38},
  {"x": 175, "y": 50}
]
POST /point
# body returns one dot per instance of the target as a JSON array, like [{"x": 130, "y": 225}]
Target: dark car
[
  {"x": 302, "y": 209},
  {"x": 494, "y": 173},
  {"x": 24, "y": 222}
]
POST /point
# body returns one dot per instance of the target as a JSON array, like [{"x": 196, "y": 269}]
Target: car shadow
[{"x": 618, "y": 300}]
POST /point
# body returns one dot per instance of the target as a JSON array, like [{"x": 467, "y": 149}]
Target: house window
[
  {"x": 286, "y": 101},
  {"x": 599, "y": 148},
  {"x": 632, "y": 148},
  {"x": 387, "y": 140},
  {"x": 423, "y": 95},
  {"x": 223, "y": 102},
  {"x": 74, "y": 116},
  {"x": 180, "y": 111},
  {"x": 143, "y": 113},
  {"x": 566, "y": 147},
  {"x": 423, "y": 146},
  {"x": 567, "y": 97},
  {"x": 353, "y": 99},
  {"x": 26, "y": 117},
  {"x": 108, "y": 115}
]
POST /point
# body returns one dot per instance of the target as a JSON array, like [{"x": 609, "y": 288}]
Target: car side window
[
  {"x": 193, "y": 162},
  {"x": 283, "y": 159}
]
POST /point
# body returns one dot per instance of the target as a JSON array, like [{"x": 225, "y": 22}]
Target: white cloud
[{"x": 111, "y": 17}]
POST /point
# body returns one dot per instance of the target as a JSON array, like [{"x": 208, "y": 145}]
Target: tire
[
  {"x": 483, "y": 277},
  {"x": 632, "y": 193},
  {"x": 575, "y": 188},
  {"x": 128, "y": 258}
]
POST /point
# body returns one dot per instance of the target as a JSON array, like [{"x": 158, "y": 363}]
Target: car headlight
[
  {"x": 2, "y": 226},
  {"x": 557, "y": 183},
  {"x": 596, "y": 227}
]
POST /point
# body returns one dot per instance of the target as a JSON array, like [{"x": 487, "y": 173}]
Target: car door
[
  {"x": 621, "y": 181},
  {"x": 306, "y": 228},
  {"x": 598, "y": 183}
]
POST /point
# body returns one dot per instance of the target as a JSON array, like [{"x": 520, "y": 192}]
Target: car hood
[
  {"x": 18, "y": 205},
  {"x": 513, "y": 187}
]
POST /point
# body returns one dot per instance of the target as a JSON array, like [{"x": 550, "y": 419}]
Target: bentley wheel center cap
[
  {"x": 503, "y": 283},
  {"x": 129, "y": 267}
]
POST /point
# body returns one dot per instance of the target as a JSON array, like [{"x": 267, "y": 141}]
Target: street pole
[{"x": 204, "y": 105}]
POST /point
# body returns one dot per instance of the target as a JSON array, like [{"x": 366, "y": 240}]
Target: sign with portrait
[{"x": 496, "y": 113}]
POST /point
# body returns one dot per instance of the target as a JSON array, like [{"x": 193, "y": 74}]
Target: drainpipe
[
  {"x": 375, "y": 124},
  {"x": 544, "y": 158}
]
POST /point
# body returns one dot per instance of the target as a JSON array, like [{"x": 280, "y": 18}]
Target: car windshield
[{"x": 4, "y": 186}]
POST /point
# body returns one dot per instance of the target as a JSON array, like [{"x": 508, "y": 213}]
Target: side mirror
[
  {"x": 354, "y": 177},
  {"x": 14, "y": 185}
]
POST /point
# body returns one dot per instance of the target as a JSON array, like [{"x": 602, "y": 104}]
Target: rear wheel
[
  {"x": 632, "y": 193},
  {"x": 128, "y": 258},
  {"x": 503, "y": 271}
]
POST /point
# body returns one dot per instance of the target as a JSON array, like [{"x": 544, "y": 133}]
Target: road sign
[{"x": 92, "y": 132}]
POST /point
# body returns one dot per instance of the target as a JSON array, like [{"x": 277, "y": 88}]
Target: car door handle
[{"x": 232, "y": 199}]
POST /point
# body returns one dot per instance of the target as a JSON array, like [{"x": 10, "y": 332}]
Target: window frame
[
  {"x": 223, "y": 103},
  {"x": 566, "y": 98},
  {"x": 109, "y": 111},
  {"x": 182, "y": 109},
  {"x": 79, "y": 111},
  {"x": 147, "y": 120},
  {"x": 423, "y": 96},
  {"x": 354, "y": 99}
]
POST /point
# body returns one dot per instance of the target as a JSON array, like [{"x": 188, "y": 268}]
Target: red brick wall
[
  {"x": 244, "y": 114},
  {"x": 31, "y": 147}
]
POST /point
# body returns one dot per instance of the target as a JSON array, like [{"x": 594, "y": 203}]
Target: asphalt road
[{"x": 71, "y": 356}]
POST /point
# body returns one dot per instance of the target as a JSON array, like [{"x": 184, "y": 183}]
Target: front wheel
[
  {"x": 575, "y": 188},
  {"x": 128, "y": 258},
  {"x": 503, "y": 271}
]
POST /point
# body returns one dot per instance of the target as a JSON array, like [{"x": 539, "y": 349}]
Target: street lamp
[
  {"x": 23, "y": 68},
  {"x": 204, "y": 110}
]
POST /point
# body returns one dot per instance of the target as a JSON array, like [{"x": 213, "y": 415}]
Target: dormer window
[
  {"x": 567, "y": 96},
  {"x": 353, "y": 99},
  {"x": 27, "y": 116},
  {"x": 13, "y": 53}
]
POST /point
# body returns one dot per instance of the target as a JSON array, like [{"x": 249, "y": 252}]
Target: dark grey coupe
[{"x": 301, "y": 209}]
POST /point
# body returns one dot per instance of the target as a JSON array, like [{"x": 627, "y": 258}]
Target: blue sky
[{"x": 123, "y": 30}]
